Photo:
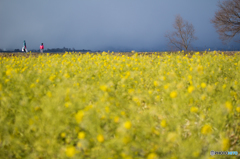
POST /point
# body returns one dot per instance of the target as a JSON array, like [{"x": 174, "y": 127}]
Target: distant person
[
  {"x": 41, "y": 48},
  {"x": 24, "y": 48}
]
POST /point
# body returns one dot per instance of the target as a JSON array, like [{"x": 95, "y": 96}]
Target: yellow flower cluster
[{"x": 119, "y": 105}]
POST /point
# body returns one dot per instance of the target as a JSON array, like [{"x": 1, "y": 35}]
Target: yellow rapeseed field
[{"x": 106, "y": 106}]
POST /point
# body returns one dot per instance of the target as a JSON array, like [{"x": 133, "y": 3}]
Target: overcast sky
[{"x": 103, "y": 24}]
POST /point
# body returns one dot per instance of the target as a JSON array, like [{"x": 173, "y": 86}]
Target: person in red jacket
[{"x": 41, "y": 48}]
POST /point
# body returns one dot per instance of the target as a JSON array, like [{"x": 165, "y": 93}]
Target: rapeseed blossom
[
  {"x": 81, "y": 135},
  {"x": 156, "y": 83},
  {"x": 238, "y": 109},
  {"x": 100, "y": 138},
  {"x": 228, "y": 105},
  {"x": 70, "y": 151},
  {"x": 152, "y": 156},
  {"x": 203, "y": 85},
  {"x": 225, "y": 144},
  {"x": 127, "y": 124},
  {"x": 173, "y": 94},
  {"x": 63, "y": 135},
  {"x": 190, "y": 89},
  {"x": 79, "y": 116},
  {"x": 83, "y": 105},
  {"x": 206, "y": 129},
  {"x": 194, "y": 109},
  {"x": 163, "y": 123}
]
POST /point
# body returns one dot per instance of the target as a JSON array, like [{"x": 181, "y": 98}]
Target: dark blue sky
[{"x": 104, "y": 24}]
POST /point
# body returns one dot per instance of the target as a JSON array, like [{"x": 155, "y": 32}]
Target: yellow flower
[
  {"x": 228, "y": 105},
  {"x": 173, "y": 94},
  {"x": 155, "y": 83},
  {"x": 123, "y": 113},
  {"x": 238, "y": 109},
  {"x": 88, "y": 107},
  {"x": 116, "y": 119},
  {"x": 152, "y": 156},
  {"x": 104, "y": 88},
  {"x": 130, "y": 91},
  {"x": 200, "y": 68},
  {"x": 32, "y": 85},
  {"x": 81, "y": 135},
  {"x": 79, "y": 116},
  {"x": 166, "y": 86},
  {"x": 66, "y": 75},
  {"x": 49, "y": 94},
  {"x": 189, "y": 77},
  {"x": 52, "y": 77},
  {"x": 163, "y": 123},
  {"x": 203, "y": 85},
  {"x": 67, "y": 104},
  {"x": 107, "y": 109},
  {"x": 194, "y": 109},
  {"x": 190, "y": 89},
  {"x": 100, "y": 138},
  {"x": 9, "y": 72},
  {"x": 126, "y": 139},
  {"x": 225, "y": 144},
  {"x": 206, "y": 129},
  {"x": 127, "y": 124},
  {"x": 224, "y": 86},
  {"x": 63, "y": 135},
  {"x": 70, "y": 151}
]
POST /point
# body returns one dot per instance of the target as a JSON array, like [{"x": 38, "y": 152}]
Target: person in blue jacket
[{"x": 24, "y": 48}]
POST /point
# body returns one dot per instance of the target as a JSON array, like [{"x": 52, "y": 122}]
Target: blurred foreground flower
[
  {"x": 70, "y": 151},
  {"x": 81, "y": 135},
  {"x": 238, "y": 109},
  {"x": 127, "y": 124},
  {"x": 206, "y": 129},
  {"x": 163, "y": 123},
  {"x": 194, "y": 109},
  {"x": 203, "y": 85},
  {"x": 190, "y": 89},
  {"x": 152, "y": 156},
  {"x": 228, "y": 105},
  {"x": 225, "y": 144},
  {"x": 79, "y": 116},
  {"x": 100, "y": 138},
  {"x": 173, "y": 94}
]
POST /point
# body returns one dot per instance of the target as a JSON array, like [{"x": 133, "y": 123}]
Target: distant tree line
[
  {"x": 63, "y": 50},
  {"x": 50, "y": 50}
]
